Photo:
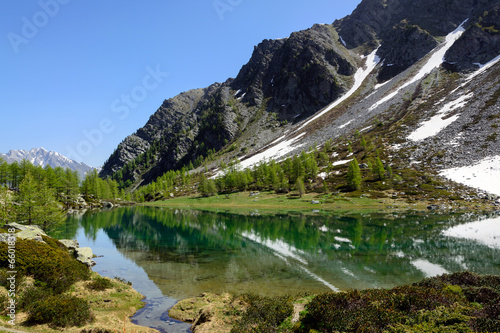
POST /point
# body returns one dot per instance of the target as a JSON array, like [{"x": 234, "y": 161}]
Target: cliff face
[
  {"x": 284, "y": 82},
  {"x": 287, "y": 81}
]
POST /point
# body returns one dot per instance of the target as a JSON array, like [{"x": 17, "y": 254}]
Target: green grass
[{"x": 268, "y": 202}]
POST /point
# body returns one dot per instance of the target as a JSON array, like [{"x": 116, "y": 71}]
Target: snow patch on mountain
[
  {"x": 484, "y": 175},
  {"x": 437, "y": 123},
  {"x": 275, "y": 152},
  {"x": 436, "y": 59}
]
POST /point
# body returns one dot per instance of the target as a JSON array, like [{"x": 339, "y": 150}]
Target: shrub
[
  {"x": 442, "y": 319},
  {"x": 100, "y": 284},
  {"x": 60, "y": 311},
  {"x": 459, "y": 302},
  {"x": 264, "y": 314},
  {"x": 27, "y": 297},
  {"x": 53, "y": 267},
  {"x": 373, "y": 310}
]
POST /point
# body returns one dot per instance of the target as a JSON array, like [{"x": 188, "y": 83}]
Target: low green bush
[
  {"x": 60, "y": 311},
  {"x": 48, "y": 265},
  {"x": 264, "y": 314},
  {"x": 459, "y": 302},
  {"x": 27, "y": 297},
  {"x": 99, "y": 284}
]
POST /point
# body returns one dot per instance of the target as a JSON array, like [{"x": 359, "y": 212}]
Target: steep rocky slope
[{"x": 320, "y": 84}]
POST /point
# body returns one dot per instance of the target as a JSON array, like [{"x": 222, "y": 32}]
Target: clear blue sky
[{"x": 78, "y": 76}]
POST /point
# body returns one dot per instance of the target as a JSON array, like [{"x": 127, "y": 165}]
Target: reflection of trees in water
[{"x": 362, "y": 244}]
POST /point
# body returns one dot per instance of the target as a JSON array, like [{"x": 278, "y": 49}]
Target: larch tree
[{"x": 354, "y": 176}]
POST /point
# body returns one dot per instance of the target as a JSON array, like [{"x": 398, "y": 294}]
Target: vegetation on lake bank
[
  {"x": 54, "y": 291},
  {"x": 340, "y": 177},
  {"x": 352, "y": 202},
  {"x": 459, "y": 302}
]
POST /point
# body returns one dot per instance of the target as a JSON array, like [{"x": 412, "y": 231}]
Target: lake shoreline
[{"x": 344, "y": 203}]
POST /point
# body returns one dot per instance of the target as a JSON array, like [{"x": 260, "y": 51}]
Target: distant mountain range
[{"x": 43, "y": 157}]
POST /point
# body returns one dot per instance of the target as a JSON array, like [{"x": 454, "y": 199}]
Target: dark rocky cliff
[{"x": 288, "y": 80}]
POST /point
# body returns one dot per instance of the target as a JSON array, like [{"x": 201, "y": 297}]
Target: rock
[
  {"x": 71, "y": 244},
  {"x": 363, "y": 166},
  {"x": 33, "y": 232},
  {"x": 315, "y": 202},
  {"x": 85, "y": 255},
  {"x": 253, "y": 194},
  {"x": 107, "y": 204}
]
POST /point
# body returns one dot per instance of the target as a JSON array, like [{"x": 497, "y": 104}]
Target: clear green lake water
[{"x": 171, "y": 254}]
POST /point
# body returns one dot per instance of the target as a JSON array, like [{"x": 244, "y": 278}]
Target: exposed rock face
[
  {"x": 403, "y": 46},
  {"x": 372, "y": 19},
  {"x": 298, "y": 75},
  {"x": 479, "y": 44},
  {"x": 85, "y": 255},
  {"x": 71, "y": 244},
  {"x": 288, "y": 80},
  {"x": 291, "y": 78}
]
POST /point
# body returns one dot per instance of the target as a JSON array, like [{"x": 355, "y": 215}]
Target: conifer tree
[
  {"x": 5, "y": 205},
  {"x": 4, "y": 172},
  {"x": 207, "y": 187},
  {"x": 354, "y": 175},
  {"x": 70, "y": 185},
  {"x": 28, "y": 200},
  {"x": 378, "y": 169},
  {"x": 299, "y": 187},
  {"x": 49, "y": 214}
]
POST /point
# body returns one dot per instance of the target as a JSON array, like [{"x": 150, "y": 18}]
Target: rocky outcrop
[
  {"x": 479, "y": 44},
  {"x": 373, "y": 19},
  {"x": 285, "y": 80},
  {"x": 85, "y": 256},
  {"x": 402, "y": 47},
  {"x": 32, "y": 232},
  {"x": 288, "y": 80},
  {"x": 297, "y": 75}
]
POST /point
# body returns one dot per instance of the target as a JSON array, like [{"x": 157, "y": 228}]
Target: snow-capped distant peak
[{"x": 42, "y": 157}]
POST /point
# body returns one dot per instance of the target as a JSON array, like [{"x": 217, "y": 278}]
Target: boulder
[
  {"x": 33, "y": 232},
  {"x": 107, "y": 204},
  {"x": 71, "y": 244},
  {"x": 85, "y": 255}
]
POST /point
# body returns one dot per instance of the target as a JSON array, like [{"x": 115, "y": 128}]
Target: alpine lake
[{"x": 172, "y": 254}]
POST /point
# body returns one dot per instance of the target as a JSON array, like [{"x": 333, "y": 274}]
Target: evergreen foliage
[
  {"x": 354, "y": 175},
  {"x": 37, "y": 204},
  {"x": 207, "y": 187},
  {"x": 378, "y": 169},
  {"x": 299, "y": 187}
]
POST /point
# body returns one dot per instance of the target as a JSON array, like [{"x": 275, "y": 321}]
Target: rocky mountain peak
[{"x": 318, "y": 71}]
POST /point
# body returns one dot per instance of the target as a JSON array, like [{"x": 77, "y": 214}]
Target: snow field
[{"x": 484, "y": 175}]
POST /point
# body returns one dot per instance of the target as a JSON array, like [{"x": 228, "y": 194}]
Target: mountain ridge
[
  {"x": 289, "y": 82},
  {"x": 43, "y": 157}
]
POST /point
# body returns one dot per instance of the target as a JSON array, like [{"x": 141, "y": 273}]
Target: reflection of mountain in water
[{"x": 188, "y": 252}]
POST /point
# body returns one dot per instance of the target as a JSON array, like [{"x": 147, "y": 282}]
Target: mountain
[
  {"x": 42, "y": 157},
  {"x": 420, "y": 76}
]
